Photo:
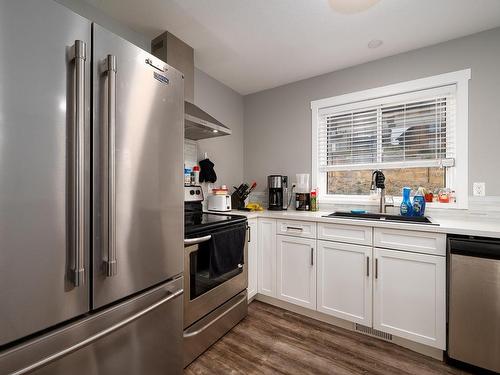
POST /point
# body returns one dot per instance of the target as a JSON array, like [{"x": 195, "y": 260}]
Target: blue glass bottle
[{"x": 406, "y": 208}]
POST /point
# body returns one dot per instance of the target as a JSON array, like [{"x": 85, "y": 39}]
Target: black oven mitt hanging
[{"x": 207, "y": 172}]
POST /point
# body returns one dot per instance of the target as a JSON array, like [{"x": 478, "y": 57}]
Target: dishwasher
[{"x": 474, "y": 301}]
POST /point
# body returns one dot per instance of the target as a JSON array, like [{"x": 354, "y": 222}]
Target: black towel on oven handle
[{"x": 227, "y": 251}]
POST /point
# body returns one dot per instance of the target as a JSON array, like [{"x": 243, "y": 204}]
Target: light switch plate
[{"x": 479, "y": 189}]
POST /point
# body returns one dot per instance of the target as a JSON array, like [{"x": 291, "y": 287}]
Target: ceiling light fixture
[
  {"x": 375, "y": 43},
  {"x": 351, "y": 6}
]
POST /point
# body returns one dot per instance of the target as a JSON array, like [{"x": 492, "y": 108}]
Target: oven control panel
[{"x": 193, "y": 194}]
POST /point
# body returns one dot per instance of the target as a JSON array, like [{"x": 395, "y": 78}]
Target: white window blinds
[{"x": 401, "y": 131}]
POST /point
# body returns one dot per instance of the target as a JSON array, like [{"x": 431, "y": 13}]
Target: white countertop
[{"x": 466, "y": 224}]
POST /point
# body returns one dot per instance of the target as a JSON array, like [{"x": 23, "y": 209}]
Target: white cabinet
[
  {"x": 296, "y": 270},
  {"x": 253, "y": 258},
  {"x": 354, "y": 234},
  {"x": 345, "y": 281},
  {"x": 409, "y": 296},
  {"x": 267, "y": 256},
  {"x": 296, "y": 228},
  {"x": 416, "y": 241}
]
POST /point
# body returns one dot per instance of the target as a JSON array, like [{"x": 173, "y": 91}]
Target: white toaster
[{"x": 221, "y": 203}]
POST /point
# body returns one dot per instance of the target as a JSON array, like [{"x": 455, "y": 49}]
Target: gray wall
[
  {"x": 88, "y": 11},
  {"x": 226, "y": 105},
  {"x": 278, "y": 121},
  {"x": 217, "y": 99}
]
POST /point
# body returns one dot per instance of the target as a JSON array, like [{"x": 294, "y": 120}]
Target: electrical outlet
[{"x": 479, "y": 189}]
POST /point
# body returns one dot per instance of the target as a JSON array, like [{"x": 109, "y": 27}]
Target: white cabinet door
[
  {"x": 267, "y": 256},
  {"x": 345, "y": 281},
  {"x": 296, "y": 270},
  {"x": 409, "y": 296},
  {"x": 252, "y": 257}
]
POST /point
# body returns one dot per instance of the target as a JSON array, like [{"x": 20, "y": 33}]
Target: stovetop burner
[{"x": 196, "y": 221}]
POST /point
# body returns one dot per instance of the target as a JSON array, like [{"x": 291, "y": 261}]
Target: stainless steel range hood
[{"x": 198, "y": 123}]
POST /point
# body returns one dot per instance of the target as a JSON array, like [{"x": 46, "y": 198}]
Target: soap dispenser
[
  {"x": 406, "y": 207},
  {"x": 419, "y": 202}
]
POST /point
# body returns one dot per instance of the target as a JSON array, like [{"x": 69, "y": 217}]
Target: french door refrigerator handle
[
  {"x": 79, "y": 58},
  {"x": 110, "y": 263},
  {"x": 99, "y": 335}
]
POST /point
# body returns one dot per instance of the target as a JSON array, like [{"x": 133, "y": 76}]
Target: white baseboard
[{"x": 416, "y": 347}]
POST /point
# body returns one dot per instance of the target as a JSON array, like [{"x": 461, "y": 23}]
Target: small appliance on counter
[
  {"x": 219, "y": 203},
  {"x": 302, "y": 192},
  {"x": 278, "y": 192}
]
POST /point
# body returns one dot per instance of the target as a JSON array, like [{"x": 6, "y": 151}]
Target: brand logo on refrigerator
[{"x": 161, "y": 78}]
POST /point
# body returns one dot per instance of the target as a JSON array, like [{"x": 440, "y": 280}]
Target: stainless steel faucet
[{"x": 378, "y": 182}]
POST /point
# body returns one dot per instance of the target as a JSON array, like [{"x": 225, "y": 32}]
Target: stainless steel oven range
[{"x": 215, "y": 274}]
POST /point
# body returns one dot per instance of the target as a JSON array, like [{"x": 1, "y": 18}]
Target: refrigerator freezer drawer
[{"x": 140, "y": 336}]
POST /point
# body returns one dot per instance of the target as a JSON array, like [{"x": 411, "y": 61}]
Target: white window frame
[{"x": 457, "y": 176}]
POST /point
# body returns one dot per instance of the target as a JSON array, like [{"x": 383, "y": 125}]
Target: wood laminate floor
[{"x": 271, "y": 340}]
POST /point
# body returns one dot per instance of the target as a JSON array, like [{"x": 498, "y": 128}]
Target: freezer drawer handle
[
  {"x": 110, "y": 263},
  {"x": 194, "y": 241},
  {"x": 79, "y": 58},
  {"x": 97, "y": 336}
]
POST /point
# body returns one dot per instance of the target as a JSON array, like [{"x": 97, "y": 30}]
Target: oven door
[{"x": 202, "y": 293}]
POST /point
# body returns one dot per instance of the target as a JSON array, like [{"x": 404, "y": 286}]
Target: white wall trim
[
  {"x": 461, "y": 171},
  {"x": 457, "y": 77}
]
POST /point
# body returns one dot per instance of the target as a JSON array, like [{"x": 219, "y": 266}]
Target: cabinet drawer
[
  {"x": 296, "y": 228},
  {"x": 345, "y": 233},
  {"x": 419, "y": 242}
]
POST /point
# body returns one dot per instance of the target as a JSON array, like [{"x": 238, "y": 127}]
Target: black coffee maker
[{"x": 278, "y": 192}]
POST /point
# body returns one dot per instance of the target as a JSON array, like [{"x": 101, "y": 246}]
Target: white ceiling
[{"x": 252, "y": 45}]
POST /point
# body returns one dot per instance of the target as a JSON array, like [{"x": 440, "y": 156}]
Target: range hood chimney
[{"x": 198, "y": 123}]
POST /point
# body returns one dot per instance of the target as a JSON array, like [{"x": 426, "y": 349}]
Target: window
[{"x": 416, "y": 132}]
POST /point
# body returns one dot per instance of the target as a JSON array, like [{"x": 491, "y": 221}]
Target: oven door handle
[{"x": 194, "y": 241}]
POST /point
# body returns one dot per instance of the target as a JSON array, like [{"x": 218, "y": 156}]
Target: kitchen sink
[{"x": 382, "y": 217}]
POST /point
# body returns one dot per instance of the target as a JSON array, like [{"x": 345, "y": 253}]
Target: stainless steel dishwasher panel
[{"x": 474, "y": 315}]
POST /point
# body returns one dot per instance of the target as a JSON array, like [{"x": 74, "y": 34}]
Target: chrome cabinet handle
[
  {"x": 111, "y": 262},
  {"x": 312, "y": 256},
  {"x": 194, "y": 241},
  {"x": 367, "y": 266},
  {"x": 78, "y": 272},
  {"x": 295, "y": 228},
  {"x": 249, "y": 233},
  {"x": 376, "y": 268},
  {"x": 98, "y": 335}
]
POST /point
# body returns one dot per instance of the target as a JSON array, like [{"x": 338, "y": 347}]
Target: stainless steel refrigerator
[{"x": 91, "y": 199}]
